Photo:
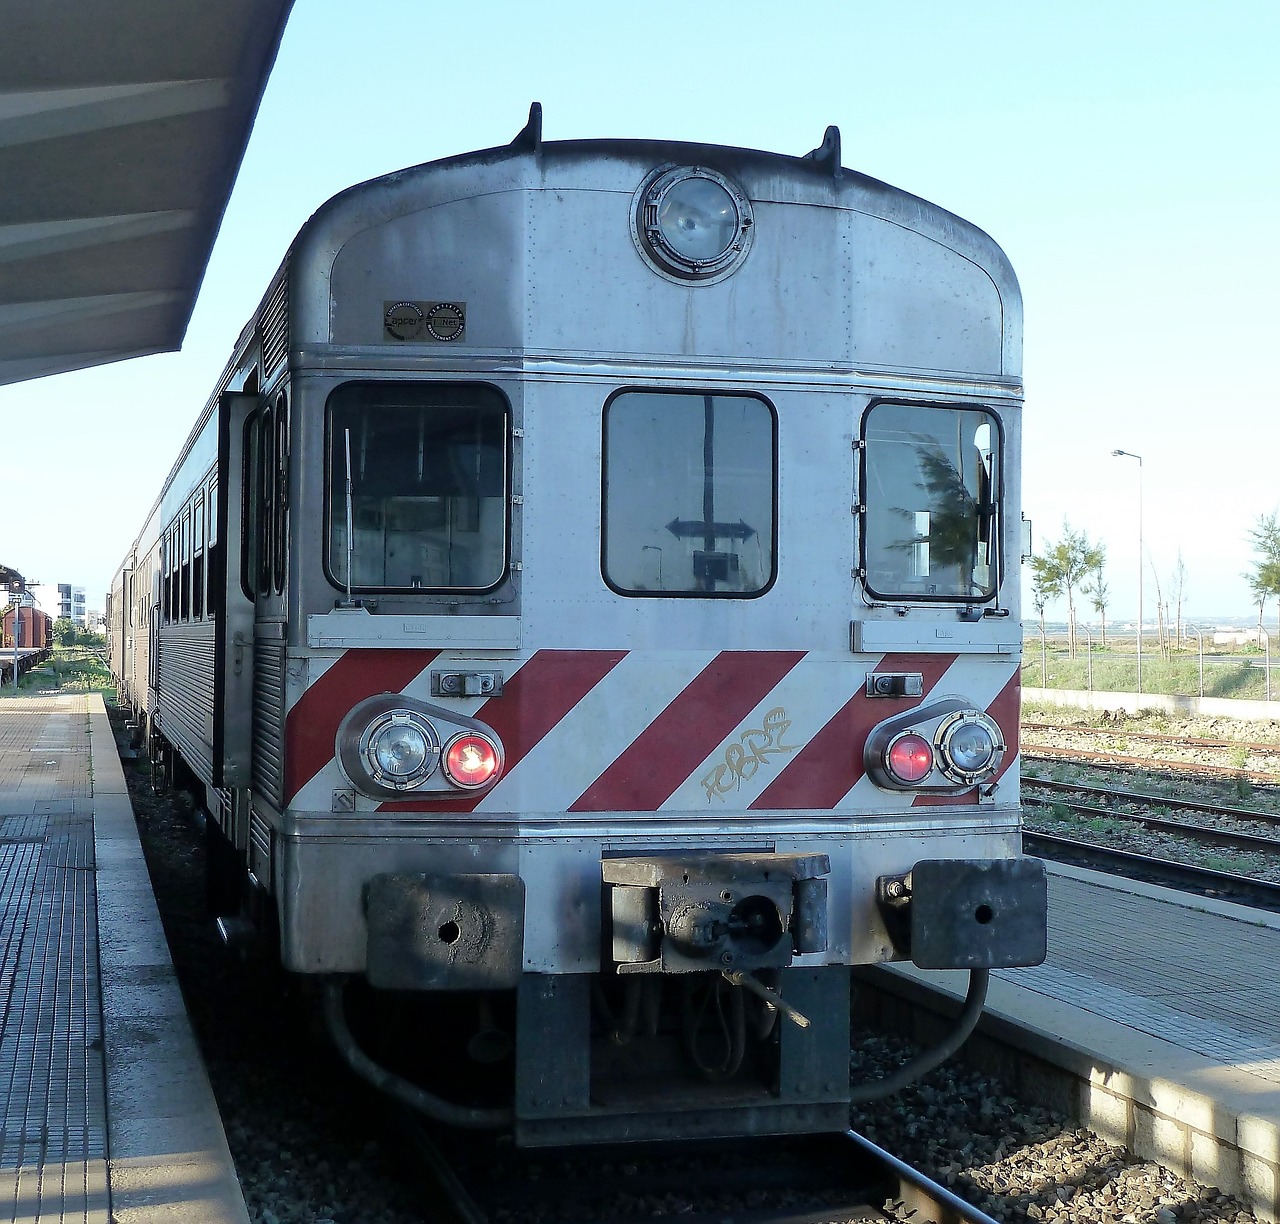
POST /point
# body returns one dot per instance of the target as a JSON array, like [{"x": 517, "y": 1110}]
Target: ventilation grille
[
  {"x": 275, "y": 326},
  {"x": 268, "y": 721},
  {"x": 260, "y": 850},
  {"x": 185, "y": 689}
]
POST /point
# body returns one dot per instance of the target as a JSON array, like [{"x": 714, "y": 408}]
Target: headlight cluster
[
  {"x": 394, "y": 747},
  {"x": 938, "y": 747},
  {"x": 400, "y": 749}
]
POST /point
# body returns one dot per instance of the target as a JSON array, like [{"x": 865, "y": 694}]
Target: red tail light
[
  {"x": 909, "y": 758},
  {"x": 471, "y": 760}
]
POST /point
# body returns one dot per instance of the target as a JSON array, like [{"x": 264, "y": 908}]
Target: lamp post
[{"x": 1130, "y": 455}]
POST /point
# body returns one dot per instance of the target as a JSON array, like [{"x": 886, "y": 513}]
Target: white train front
[{"x": 588, "y": 607}]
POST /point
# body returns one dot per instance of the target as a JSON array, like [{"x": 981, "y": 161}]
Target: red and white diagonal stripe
[{"x": 603, "y": 731}]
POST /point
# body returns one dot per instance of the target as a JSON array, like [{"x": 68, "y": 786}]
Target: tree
[
  {"x": 1099, "y": 594},
  {"x": 1260, "y": 594},
  {"x": 1178, "y": 586},
  {"x": 1062, "y": 569},
  {"x": 64, "y": 631},
  {"x": 1040, "y": 592},
  {"x": 1264, "y": 577}
]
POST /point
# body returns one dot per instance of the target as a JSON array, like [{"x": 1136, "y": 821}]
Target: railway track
[
  {"x": 1156, "y": 800},
  {"x": 1195, "y": 840},
  {"x": 1152, "y": 737},
  {"x": 1199, "y": 833},
  {"x": 1207, "y": 881},
  {"x": 1255, "y": 761},
  {"x": 819, "y": 1179},
  {"x": 1048, "y": 752}
]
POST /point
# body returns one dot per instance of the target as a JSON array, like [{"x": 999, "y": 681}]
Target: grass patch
[
  {"x": 70, "y": 669},
  {"x": 1178, "y": 675}
]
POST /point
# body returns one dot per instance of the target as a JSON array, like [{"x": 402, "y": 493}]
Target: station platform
[
  {"x": 108, "y": 1116},
  {"x": 1154, "y": 1022}
]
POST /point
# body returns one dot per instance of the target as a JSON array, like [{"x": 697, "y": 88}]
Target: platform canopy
[{"x": 122, "y": 126}]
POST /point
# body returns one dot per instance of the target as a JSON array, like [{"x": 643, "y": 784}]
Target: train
[
  {"x": 587, "y": 611},
  {"x": 23, "y": 624}
]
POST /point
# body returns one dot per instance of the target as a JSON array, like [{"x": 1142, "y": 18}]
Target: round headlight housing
[
  {"x": 400, "y": 749},
  {"x": 970, "y": 747},
  {"x": 692, "y": 224},
  {"x": 908, "y": 758},
  {"x": 471, "y": 760}
]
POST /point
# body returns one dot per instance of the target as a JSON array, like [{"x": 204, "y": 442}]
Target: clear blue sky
[{"x": 1123, "y": 154}]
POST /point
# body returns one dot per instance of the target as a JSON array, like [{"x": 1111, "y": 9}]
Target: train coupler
[
  {"x": 742, "y": 912},
  {"x": 967, "y": 913}
]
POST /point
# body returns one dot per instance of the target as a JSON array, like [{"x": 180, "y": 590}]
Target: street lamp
[{"x": 1130, "y": 455}]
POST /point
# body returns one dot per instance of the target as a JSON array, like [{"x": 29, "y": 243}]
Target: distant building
[
  {"x": 1235, "y": 637},
  {"x": 62, "y": 600}
]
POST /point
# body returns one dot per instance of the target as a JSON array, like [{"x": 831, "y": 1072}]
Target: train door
[{"x": 229, "y": 602}]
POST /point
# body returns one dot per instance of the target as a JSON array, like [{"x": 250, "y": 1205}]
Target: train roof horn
[
  {"x": 828, "y": 152},
  {"x": 530, "y": 136}
]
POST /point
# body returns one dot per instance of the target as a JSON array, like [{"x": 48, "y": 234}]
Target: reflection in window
[
  {"x": 928, "y": 481},
  {"x": 689, "y": 494},
  {"x": 428, "y": 470}
]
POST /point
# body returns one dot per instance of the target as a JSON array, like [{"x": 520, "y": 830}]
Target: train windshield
[
  {"x": 428, "y": 469},
  {"x": 930, "y": 481},
  {"x": 689, "y": 505}
]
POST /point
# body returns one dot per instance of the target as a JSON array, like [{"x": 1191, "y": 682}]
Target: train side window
[
  {"x": 213, "y": 578},
  {"x": 429, "y": 486},
  {"x": 251, "y": 510},
  {"x": 169, "y": 575},
  {"x": 266, "y": 490},
  {"x": 689, "y": 504},
  {"x": 280, "y": 527},
  {"x": 164, "y": 586},
  {"x": 184, "y": 576},
  {"x": 930, "y": 488},
  {"x": 197, "y": 556}
]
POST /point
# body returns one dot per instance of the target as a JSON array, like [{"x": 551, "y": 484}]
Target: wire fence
[{"x": 1127, "y": 664}]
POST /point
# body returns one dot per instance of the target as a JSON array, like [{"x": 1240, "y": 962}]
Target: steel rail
[
  {"x": 919, "y": 1191},
  {"x": 924, "y": 1200},
  {"x": 1257, "y": 893}
]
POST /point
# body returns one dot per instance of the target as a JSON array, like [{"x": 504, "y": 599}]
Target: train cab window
[
  {"x": 690, "y": 504},
  {"x": 427, "y": 465},
  {"x": 930, "y": 484}
]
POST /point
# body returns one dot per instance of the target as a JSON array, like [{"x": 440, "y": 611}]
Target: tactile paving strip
[{"x": 52, "y": 1078}]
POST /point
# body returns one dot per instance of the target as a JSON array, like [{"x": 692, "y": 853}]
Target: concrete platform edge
[
  {"x": 168, "y": 1155},
  {"x": 1020, "y": 1038}
]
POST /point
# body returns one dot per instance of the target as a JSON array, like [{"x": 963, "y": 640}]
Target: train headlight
[
  {"x": 393, "y": 746},
  {"x": 400, "y": 749},
  {"x": 908, "y": 758},
  {"x": 471, "y": 760},
  {"x": 692, "y": 224},
  {"x": 970, "y": 746}
]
